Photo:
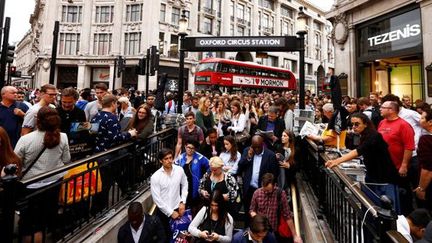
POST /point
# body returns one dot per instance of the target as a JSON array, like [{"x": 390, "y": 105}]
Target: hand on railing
[{"x": 133, "y": 132}]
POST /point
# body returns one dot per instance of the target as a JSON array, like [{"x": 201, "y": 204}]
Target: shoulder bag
[{"x": 34, "y": 161}]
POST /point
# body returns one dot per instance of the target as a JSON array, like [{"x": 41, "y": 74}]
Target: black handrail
[
  {"x": 351, "y": 215},
  {"x": 120, "y": 173}
]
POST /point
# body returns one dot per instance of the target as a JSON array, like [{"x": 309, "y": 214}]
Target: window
[
  {"x": 240, "y": 11},
  {"x": 266, "y": 4},
  {"x": 232, "y": 30},
  {"x": 104, "y": 14},
  {"x": 162, "y": 13},
  {"x": 134, "y": 13},
  {"x": 173, "y": 52},
  {"x": 231, "y": 9},
  {"x": 309, "y": 69},
  {"x": 240, "y": 31},
  {"x": 175, "y": 16},
  {"x": 287, "y": 27},
  {"x": 317, "y": 26},
  {"x": 71, "y": 14},
  {"x": 102, "y": 44},
  {"x": 132, "y": 43},
  {"x": 218, "y": 28},
  {"x": 161, "y": 42},
  {"x": 207, "y": 25},
  {"x": 69, "y": 44},
  {"x": 247, "y": 15},
  {"x": 287, "y": 12},
  {"x": 206, "y": 4}
]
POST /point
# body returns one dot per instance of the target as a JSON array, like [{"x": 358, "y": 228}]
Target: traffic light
[
  {"x": 10, "y": 54},
  {"x": 141, "y": 67},
  {"x": 121, "y": 65},
  {"x": 154, "y": 63},
  {"x": 13, "y": 72}
]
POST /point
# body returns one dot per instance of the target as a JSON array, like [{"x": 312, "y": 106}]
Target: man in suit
[
  {"x": 272, "y": 122},
  {"x": 254, "y": 163},
  {"x": 140, "y": 227}
]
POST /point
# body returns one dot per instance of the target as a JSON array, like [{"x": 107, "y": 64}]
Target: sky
[{"x": 20, "y": 10}]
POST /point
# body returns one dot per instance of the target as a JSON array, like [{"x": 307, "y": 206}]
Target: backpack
[{"x": 375, "y": 116}]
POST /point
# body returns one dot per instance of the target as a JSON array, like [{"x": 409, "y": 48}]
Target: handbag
[
  {"x": 179, "y": 227},
  {"x": 241, "y": 137},
  {"x": 85, "y": 181},
  {"x": 283, "y": 228},
  {"x": 34, "y": 161}
]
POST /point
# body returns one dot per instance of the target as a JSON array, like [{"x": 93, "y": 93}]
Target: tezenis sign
[{"x": 408, "y": 31}]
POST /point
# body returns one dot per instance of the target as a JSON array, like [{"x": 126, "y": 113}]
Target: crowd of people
[{"x": 235, "y": 152}]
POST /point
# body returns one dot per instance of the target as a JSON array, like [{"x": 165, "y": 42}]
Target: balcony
[
  {"x": 268, "y": 30},
  {"x": 173, "y": 54},
  {"x": 209, "y": 11}
]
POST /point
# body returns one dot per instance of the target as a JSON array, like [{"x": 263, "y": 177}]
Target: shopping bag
[
  {"x": 86, "y": 182},
  {"x": 179, "y": 227}
]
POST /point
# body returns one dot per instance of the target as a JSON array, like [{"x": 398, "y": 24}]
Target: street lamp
[
  {"x": 183, "y": 26},
  {"x": 301, "y": 32}
]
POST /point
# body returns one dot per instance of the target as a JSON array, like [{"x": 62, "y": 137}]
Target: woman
[
  {"x": 238, "y": 119},
  {"x": 318, "y": 115},
  {"x": 194, "y": 165},
  {"x": 7, "y": 155},
  {"x": 223, "y": 118},
  {"x": 213, "y": 223},
  {"x": 54, "y": 152},
  {"x": 231, "y": 156},
  {"x": 218, "y": 180},
  {"x": 204, "y": 116},
  {"x": 424, "y": 155},
  {"x": 142, "y": 121},
  {"x": 376, "y": 158},
  {"x": 285, "y": 156},
  {"x": 264, "y": 108}
]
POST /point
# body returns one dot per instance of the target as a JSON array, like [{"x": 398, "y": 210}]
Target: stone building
[
  {"x": 93, "y": 33},
  {"x": 381, "y": 46}
]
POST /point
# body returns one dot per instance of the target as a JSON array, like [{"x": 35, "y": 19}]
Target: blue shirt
[
  {"x": 11, "y": 122},
  {"x": 256, "y": 169},
  {"x": 199, "y": 165},
  {"x": 270, "y": 126}
]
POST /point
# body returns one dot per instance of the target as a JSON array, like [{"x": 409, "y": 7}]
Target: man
[
  {"x": 21, "y": 98},
  {"x": 190, "y": 131},
  {"x": 211, "y": 147},
  {"x": 140, "y": 227},
  {"x": 414, "y": 225},
  {"x": 169, "y": 189},
  {"x": 109, "y": 133},
  {"x": 92, "y": 108},
  {"x": 259, "y": 231},
  {"x": 272, "y": 123},
  {"x": 68, "y": 111},
  {"x": 370, "y": 111},
  {"x": 170, "y": 105},
  {"x": 399, "y": 136},
  {"x": 187, "y": 102},
  {"x": 406, "y": 102},
  {"x": 254, "y": 163},
  {"x": 271, "y": 201},
  {"x": 195, "y": 104},
  {"x": 86, "y": 97},
  {"x": 11, "y": 113},
  {"x": 48, "y": 94},
  {"x": 427, "y": 236}
]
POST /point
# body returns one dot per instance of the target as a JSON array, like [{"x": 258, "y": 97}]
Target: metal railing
[
  {"x": 350, "y": 214},
  {"x": 86, "y": 197}
]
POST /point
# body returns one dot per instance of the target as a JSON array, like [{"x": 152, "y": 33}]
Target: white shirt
[
  {"x": 403, "y": 228},
  {"x": 413, "y": 118},
  {"x": 226, "y": 158},
  {"x": 238, "y": 125},
  {"x": 169, "y": 190},
  {"x": 136, "y": 234},
  {"x": 256, "y": 169},
  {"x": 289, "y": 120}
]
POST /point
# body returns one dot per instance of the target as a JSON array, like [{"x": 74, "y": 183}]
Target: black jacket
[
  {"x": 206, "y": 149},
  {"x": 152, "y": 231}
]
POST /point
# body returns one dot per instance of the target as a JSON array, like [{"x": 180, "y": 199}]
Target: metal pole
[
  {"x": 302, "y": 71},
  {"x": 2, "y": 9},
  {"x": 147, "y": 65},
  {"x": 115, "y": 73},
  {"x": 4, "y": 52},
  {"x": 54, "y": 52},
  {"x": 181, "y": 74},
  {"x": 9, "y": 78}
]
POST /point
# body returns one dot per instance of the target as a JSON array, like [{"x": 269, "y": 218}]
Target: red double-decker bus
[{"x": 228, "y": 75}]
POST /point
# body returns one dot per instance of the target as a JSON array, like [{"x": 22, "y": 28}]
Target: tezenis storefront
[{"x": 389, "y": 54}]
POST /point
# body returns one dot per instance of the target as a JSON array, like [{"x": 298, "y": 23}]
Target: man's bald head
[{"x": 257, "y": 144}]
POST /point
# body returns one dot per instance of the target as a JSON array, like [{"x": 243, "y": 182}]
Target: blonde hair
[
  {"x": 201, "y": 103},
  {"x": 216, "y": 161}
]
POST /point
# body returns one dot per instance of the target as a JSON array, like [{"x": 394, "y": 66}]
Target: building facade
[
  {"x": 381, "y": 46},
  {"x": 93, "y": 33}
]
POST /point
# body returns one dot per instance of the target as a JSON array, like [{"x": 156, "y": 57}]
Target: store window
[{"x": 407, "y": 80}]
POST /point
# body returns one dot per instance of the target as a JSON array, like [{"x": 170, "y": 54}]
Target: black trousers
[
  {"x": 247, "y": 198},
  {"x": 165, "y": 224}
]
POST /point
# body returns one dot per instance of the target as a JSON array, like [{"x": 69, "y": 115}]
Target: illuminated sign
[{"x": 408, "y": 31}]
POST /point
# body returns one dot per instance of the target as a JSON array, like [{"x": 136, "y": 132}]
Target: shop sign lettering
[
  {"x": 408, "y": 31},
  {"x": 264, "y": 82}
]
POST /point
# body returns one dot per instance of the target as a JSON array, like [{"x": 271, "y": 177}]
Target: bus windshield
[{"x": 207, "y": 66}]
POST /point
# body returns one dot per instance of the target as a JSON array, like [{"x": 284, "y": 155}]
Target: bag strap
[
  {"x": 34, "y": 161},
  {"x": 279, "y": 208}
]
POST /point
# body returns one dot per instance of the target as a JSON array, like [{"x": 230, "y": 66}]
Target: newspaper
[
  {"x": 266, "y": 134},
  {"x": 309, "y": 129}
]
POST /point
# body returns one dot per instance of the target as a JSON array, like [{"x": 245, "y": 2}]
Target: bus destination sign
[{"x": 262, "y": 82}]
